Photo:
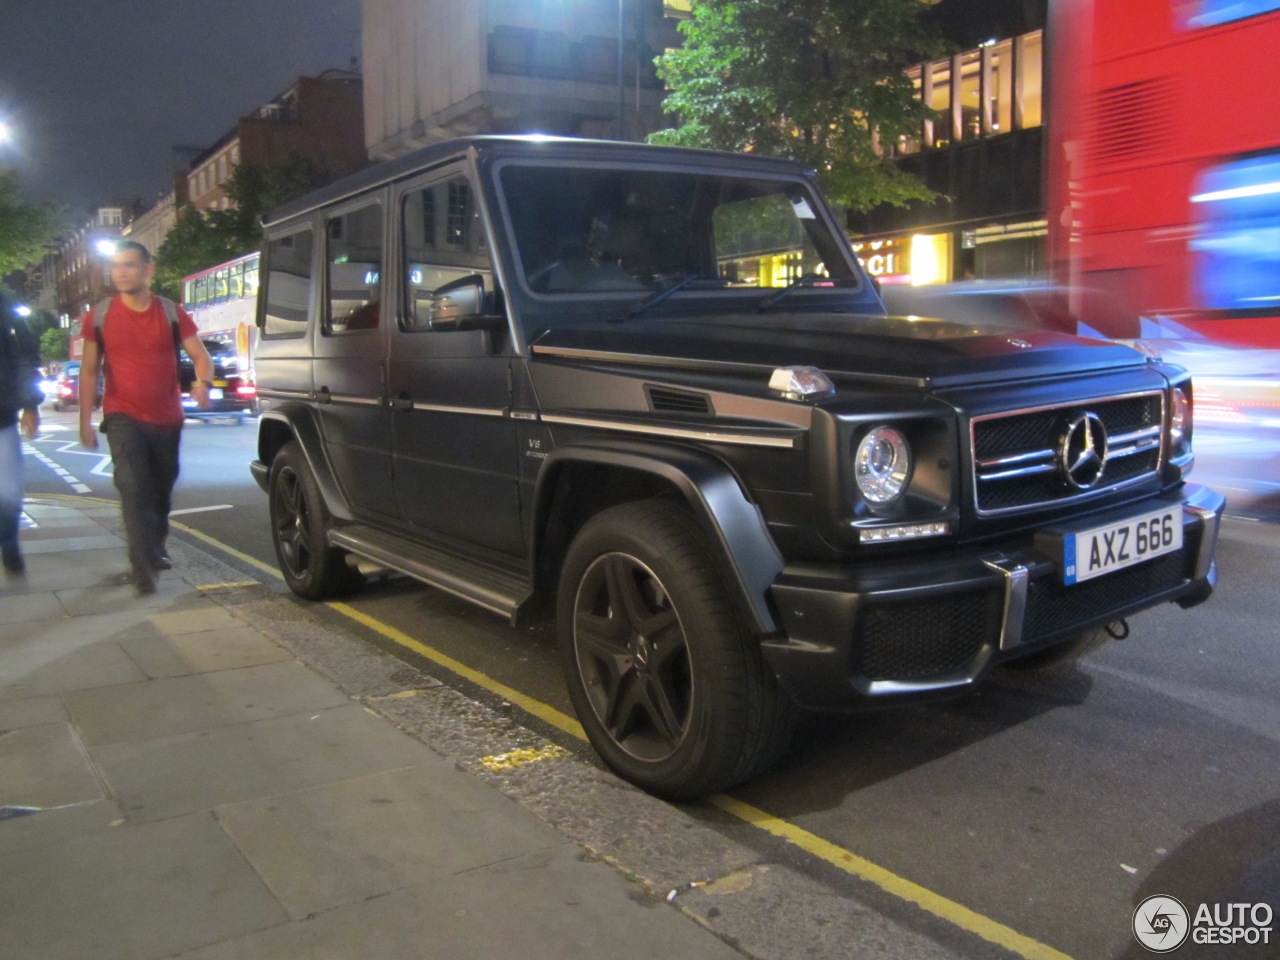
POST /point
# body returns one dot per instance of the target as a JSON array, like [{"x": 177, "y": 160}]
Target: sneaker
[
  {"x": 14, "y": 564},
  {"x": 162, "y": 561}
]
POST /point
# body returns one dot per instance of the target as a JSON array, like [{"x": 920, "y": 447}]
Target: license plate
[
  {"x": 1091, "y": 553},
  {"x": 215, "y": 393}
]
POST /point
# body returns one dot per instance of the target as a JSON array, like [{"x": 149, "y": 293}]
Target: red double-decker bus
[{"x": 1163, "y": 186}]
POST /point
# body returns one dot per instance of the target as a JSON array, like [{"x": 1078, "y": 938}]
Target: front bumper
[{"x": 928, "y": 627}]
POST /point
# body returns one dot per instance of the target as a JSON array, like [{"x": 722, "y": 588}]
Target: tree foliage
[
  {"x": 204, "y": 238},
  {"x": 25, "y": 227},
  {"x": 813, "y": 80},
  {"x": 55, "y": 345}
]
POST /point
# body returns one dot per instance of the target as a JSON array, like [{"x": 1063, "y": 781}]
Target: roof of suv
[{"x": 566, "y": 148}]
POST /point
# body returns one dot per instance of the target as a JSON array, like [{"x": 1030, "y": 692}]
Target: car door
[
  {"x": 350, "y": 355},
  {"x": 454, "y": 439}
]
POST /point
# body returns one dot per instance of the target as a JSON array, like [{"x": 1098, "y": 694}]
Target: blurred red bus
[
  {"x": 1163, "y": 163},
  {"x": 223, "y": 300}
]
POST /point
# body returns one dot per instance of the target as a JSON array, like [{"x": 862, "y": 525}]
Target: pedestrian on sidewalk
[
  {"x": 20, "y": 397},
  {"x": 135, "y": 343}
]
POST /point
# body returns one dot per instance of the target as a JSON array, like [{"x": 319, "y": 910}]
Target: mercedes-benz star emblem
[{"x": 1082, "y": 454}]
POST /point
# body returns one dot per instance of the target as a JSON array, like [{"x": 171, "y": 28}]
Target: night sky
[{"x": 98, "y": 92}]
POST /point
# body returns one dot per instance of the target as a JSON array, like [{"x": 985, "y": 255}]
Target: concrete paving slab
[
  {"x": 192, "y": 619},
  {"x": 169, "y": 777},
  {"x": 29, "y": 607},
  {"x": 30, "y": 712},
  {"x": 62, "y": 659},
  {"x": 90, "y": 541},
  {"x": 171, "y": 591},
  {"x": 205, "y": 652},
  {"x": 164, "y": 708},
  {"x": 50, "y": 826},
  {"x": 133, "y": 893},
  {"x": 348, "y": 841},
  {"x": 544, "y": 906},
  {"x": 45, "y": 766}
]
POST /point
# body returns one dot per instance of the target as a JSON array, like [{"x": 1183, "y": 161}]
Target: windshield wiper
[
  {"x": 796, "y": 284},
  {"x": 676, "y": 285}
]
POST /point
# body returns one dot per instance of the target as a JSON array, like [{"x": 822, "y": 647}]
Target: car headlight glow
[
  {"x": 1180, "y": 417},
  {"x": 882, "y": 464}
]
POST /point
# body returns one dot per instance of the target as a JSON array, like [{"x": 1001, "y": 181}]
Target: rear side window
[
  {"x": 354, "y": 255},
  {"x": 288, "y": 285}
]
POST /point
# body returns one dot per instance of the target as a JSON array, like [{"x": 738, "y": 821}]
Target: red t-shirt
[{"x": 139, "y": 362}]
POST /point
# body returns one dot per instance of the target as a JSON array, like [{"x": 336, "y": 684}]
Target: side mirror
[{"x": 459, "y": 305}]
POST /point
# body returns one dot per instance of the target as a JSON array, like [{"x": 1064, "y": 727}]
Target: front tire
[
  {"x": 299, "y": 522},
  {"x": 672, "y": 691}
]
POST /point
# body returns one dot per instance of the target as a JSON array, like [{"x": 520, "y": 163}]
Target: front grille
[
  {"x": 1052, "y": 606},
  {"x": 925, "y": 638},
  {"x": 1015, "y": 455}
]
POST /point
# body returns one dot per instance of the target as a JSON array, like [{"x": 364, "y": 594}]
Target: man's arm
[
  {"x": 27, "y": 369},
  {"x": 90, "y": 364},
  {"x": 204, "y": 370}
]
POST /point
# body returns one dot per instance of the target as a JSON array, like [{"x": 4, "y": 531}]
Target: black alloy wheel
[
  {"x": 672, "y": 691},
  {"x": 312, "y": 569}
]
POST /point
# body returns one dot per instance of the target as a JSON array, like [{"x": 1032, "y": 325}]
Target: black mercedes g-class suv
[{"x": 650, "y": 392}]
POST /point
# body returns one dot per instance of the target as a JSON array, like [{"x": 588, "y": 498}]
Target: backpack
[{"x": 170, "y": 311}]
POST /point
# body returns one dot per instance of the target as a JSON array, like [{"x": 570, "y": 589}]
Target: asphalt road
[{"x": 1048, "y": 804}]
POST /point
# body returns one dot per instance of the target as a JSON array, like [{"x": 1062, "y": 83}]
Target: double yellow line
[{"x": 948, "y": 910}]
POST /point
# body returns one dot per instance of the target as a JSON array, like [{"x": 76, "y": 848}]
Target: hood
[{"x": 914, "y": 351}]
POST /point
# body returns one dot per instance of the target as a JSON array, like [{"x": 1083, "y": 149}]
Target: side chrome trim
[
  {"x": 286, "y": 394},
  {"x": 471, "y": 411},
  {"x": 1016, "y": 577},
  {"x": 352, "y": 400},
  {"x": 707, "y": 436}
]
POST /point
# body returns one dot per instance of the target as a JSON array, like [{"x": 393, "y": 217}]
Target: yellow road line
[
  {"x": 939, "y": 906},
  {"x": 242, "y": 557},
  {"x": 948, "y": 910},
  {"x": 544, "y": 712}
]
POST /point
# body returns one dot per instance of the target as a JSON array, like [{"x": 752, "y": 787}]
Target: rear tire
[
  {"x": 672, "y": 691},
  {"x": 299, "y": 525}
]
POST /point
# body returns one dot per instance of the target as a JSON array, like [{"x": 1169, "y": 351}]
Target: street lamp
[{"x": 105, "y": 247}]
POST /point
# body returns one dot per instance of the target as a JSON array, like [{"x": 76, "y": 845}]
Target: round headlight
[
  {"x": 882, "y": 465},
  {"x": 1180, "y": 418}
]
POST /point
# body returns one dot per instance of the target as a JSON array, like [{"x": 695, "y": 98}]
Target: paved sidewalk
[{"x": 174, "y": 782}]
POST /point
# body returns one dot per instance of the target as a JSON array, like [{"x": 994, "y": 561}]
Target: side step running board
[{"x": 495, "y": 590}]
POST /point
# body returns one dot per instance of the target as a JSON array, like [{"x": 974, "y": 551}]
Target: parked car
[
  {"x": 668, "y": 408},
  {"x": 66, "y": 388},
  {"x": 233, "y": 393}
]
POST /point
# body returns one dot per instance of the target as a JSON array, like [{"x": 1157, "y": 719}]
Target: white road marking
[
  {"x": 220, "y": 506},
  {"x": 57, "y": 469}
]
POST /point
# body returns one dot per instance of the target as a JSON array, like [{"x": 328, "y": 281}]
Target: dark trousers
[{"x": 146, "y": 468}]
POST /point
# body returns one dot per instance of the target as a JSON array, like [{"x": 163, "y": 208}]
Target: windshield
[{"x": 637, "y": 232}]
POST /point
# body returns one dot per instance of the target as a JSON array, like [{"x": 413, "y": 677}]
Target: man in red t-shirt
[{"x": 141, "y": 403}]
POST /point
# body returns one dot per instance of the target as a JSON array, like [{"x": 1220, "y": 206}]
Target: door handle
[
  {"x": 402, "y": 402},
  {"x": 323, "y": 396}
]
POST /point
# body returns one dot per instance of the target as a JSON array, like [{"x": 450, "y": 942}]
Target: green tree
[
  {"x": 814, "y": 80},
  {"x": 25, "y": 227},
  {"x": 55, "y": 345},
  {"x": 202, "y": 239}
]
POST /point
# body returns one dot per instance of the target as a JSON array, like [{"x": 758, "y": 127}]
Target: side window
[
  {"x": 288, "y": 285},
  {"x": 443, "y": 242},
  {"x": 1235, "y": 207},
  {"x": 354, "y": 253}
]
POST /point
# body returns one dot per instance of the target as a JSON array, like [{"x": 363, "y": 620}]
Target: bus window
[
  {"x": 219, "y": 291},
  {"x": 1236, "y": 247},
  {"x": 1194, "y": 14}
]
